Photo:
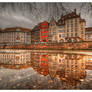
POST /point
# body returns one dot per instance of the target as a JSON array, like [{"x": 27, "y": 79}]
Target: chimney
[
  {"x": 61, "y": 15},
  {"x": 75, "y": 10},
  {"x": 79, "y": 14}
]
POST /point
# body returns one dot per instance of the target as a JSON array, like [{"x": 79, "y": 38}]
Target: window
[
  {"x": 54, "y": 33},
  {"x": 59, "y": 35},
  {"x": 71, "y": 27},
  {"x": 53, "y": 29},
  {"x": 18, "y": 38},
  {"x": 67, "y": 35},
  {"x": 82, "y": 31},
  {"x": 71, "y": 30},
  {"x": 18, "y": 29},
  {"x": 71, "y": 21},
  {"x": 82, "y": 28},
  {"x": 76, "y": 20},
  {"x": 75, "y": 24},
  {"x": 63, "y": 35},
  {"x": 17, "y": 57},
  {"x": 61, "y": 31},
  {"x": 67, "y": 25},
  {"x": 67, "y": 21},
  {"x": 89, "y": 36},
  {"x": 72, "y": 34},
  {"x": 67, "y": 30},
  {"x": 55, "y": 37},
  {"x": 75, "y": 29},
  {"x": 75, "y": 34}
]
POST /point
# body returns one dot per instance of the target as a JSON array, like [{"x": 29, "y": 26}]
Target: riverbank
[
  {"x": 52, "y": 46},
  {"x": 84, "y": 52}
]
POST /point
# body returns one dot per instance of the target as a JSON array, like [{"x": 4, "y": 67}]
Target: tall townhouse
[
  {"x": 35, "y": 34},
  {"x": 56, "y": 31},
  {"x": 39, "y": 33},
  {"x": 39, "y": 62},
  {"x": 44, "y": 31},
  {"x": 15, "y": 36},
  {"x": 74, "y": 25}
]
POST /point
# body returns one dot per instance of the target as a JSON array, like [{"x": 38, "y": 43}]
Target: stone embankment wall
[{"x": 81, "y": 45}]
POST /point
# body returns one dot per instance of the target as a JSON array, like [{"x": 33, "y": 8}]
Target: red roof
[
  {"x": 14, "y": 29},
  {"x": 68, "y": 16},
  {"x": 71, "y": 15},
  {"x": 82, "y": 20},
  {"x": 89, "y": 29}
]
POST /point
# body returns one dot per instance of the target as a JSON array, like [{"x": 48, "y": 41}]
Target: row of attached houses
[{"x": 69, "y": 28}]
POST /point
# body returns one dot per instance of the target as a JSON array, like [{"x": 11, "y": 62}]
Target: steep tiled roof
[{"x": 68, "y": 16}]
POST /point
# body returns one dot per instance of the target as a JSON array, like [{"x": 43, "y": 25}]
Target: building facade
[
  {"x": 14, "y": 57},
  {"x": 70, "y": 26},
  {"x": 35, "y": 34},
  {"x": 39, "y": 33},
  {"x": 44, "y": 31},
  {"x": 15, "y": 36},
  {"x": 89, "y": 34},
  {"x": 56, "y": 32},
  {"x": 74, "y": 25}
]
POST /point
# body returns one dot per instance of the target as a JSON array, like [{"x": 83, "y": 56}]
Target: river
[{"x": 40, "y": 69}]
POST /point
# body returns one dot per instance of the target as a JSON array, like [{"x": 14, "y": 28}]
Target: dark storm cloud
[{"x": 29, "y": 14}]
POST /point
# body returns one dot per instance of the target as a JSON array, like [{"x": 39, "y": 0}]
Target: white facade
[
  {"x": 14, "y": 58},
  {"x": 15, "y": 37},
  {"x": 56, "y": 33},
  {"x": 61, "y": 34}
]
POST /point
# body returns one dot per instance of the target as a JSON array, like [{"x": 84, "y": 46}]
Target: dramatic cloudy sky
[{"x": 29, "y": 14}]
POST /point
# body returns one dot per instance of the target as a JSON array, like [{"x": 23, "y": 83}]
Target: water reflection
[{"x": 68, "y": 69}]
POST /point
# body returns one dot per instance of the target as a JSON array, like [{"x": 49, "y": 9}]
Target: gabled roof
[{"x": 52, "y": 20}]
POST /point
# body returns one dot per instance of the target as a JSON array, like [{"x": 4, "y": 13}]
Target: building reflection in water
[
  {"x": 15, "y": 60},
  {"x": 69, "y": 69}
]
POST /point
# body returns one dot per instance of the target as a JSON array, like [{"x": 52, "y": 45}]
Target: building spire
[
  {"x": 61, "y": 15},
  {"x": 52, "y": 20},
  {"x": 75, "y": 10}
]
